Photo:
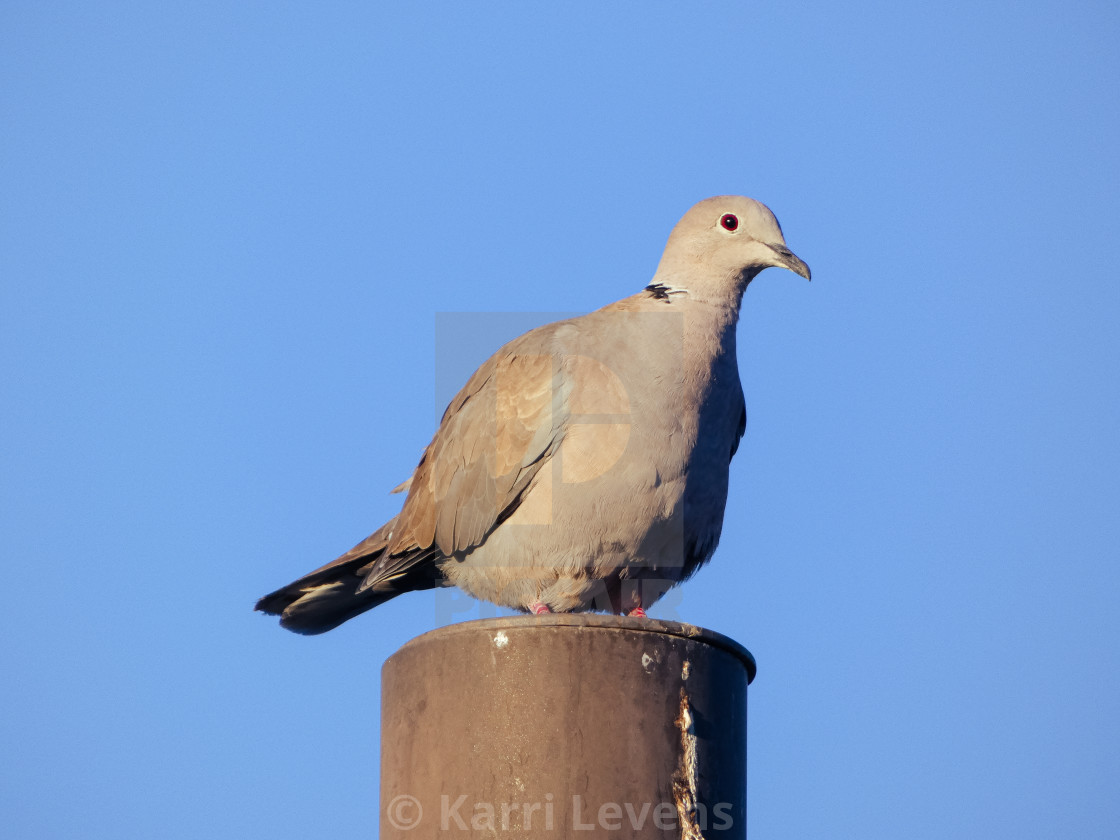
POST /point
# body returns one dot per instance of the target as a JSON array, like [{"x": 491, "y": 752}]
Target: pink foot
[
  {"x": 637, "y": 612},
  {"x": 537, "y": 608}
]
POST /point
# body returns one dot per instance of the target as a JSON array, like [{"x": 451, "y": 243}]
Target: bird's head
[{"x": 725, "y": 241}]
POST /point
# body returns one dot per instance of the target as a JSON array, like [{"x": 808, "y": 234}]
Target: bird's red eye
[{"x": 729, "y": 221}]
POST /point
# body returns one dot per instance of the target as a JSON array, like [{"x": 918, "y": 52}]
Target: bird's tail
[
  {"x": 310, "y": 607},
  {"x": 325, "y": 598}
]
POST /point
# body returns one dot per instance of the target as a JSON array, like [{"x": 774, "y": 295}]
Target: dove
[{"x": 584, "y": 466}]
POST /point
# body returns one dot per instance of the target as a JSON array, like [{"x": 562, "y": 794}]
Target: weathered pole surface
[{"x": 556, "y": 725}]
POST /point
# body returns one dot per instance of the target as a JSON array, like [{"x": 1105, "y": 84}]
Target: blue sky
[{"x": 226, "y": 231}]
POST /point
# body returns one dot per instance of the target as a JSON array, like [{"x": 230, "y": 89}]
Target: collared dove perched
[{"x": 584, "y": 465}]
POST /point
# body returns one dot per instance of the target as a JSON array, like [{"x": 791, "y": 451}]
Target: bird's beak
[{"x": 790, "y": 260}]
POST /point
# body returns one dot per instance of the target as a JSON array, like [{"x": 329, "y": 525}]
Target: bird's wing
[{"x": 495, "y": 436}]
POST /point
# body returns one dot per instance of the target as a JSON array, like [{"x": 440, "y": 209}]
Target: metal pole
[{"x": 548, "y": 726}]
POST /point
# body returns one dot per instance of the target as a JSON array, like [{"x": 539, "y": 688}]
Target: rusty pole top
[
  {"x": 544, "y": 726},
  {"x": 594, "y": 621}
]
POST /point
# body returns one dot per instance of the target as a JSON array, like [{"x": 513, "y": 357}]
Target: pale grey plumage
[{"x": 585, "y": 464}]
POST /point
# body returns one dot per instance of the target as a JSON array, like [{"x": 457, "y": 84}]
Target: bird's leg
[
  {"x": 627, "y": 598},
  {"x": 537, "y": 608}
]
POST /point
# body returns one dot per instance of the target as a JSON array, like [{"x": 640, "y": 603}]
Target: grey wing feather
[{"x": 494, "y": 437}]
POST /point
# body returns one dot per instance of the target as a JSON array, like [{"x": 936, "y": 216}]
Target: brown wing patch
[
  {"x": 495, "y": 436},
  {"x": 522, "y": 407}
]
